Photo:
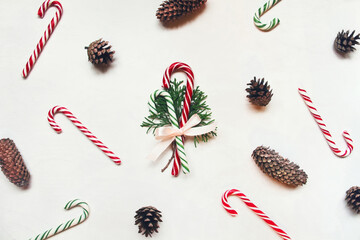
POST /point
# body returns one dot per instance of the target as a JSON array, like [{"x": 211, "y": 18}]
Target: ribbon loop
[{"x": 168, "y": 134}]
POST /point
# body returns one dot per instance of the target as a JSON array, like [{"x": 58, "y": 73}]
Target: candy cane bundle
[
  {"x": 174, "y": 122},
  {"x": 329, "y": 139},
  {"x": 266, "y": 26},
  {"x": 71, "y": 223},
  {"x": 177, "y": 117},
  {"x": 79, "y": 125},
  {"x": 254, "y": 208},
  {"x": 39, "y": 47},
  {"x": 178, "y": 66}
]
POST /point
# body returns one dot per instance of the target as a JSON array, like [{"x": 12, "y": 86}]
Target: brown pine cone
[
  {"x": 12, "y": 163},
  {"x": 353, "y": 198},
  {"x": 99, "y": 52},
  {"x": 173, "y": 9},
  {"x": 259, "y": 92},
  {"x": 279, "y": 168},
  {"x": 147, "y": 219},
  {"x": 345, "y": 42}
]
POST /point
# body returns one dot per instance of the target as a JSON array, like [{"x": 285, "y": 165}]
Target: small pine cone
[
  {"x": 353, "y": 198},
  {"x": 12, "y": 163},
  {"x": 173, "y": 9},
  {"x": 99, "y": 52},
  {"x": 344, "y": 43},
  {"x": 148, "y": 219},
  {"x": 275, "y": 166},
  {"x": 259, "y": 93}
]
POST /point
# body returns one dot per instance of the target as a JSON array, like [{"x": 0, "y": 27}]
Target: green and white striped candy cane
[
  {"x": 64, "y": 226},
  {"x": 266, "y": 26},
  {"x": 174, "y": 123}
]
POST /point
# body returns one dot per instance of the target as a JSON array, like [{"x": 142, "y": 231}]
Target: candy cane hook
[
  {"x": 254, "y": 208},
  {"x": 64, "y": 226},
  {"x": 266, "y": 26},
  {"x": 79, "y": 125},
  {"x": 39, "y": 47},
  {"x": 325, "y": 130},
  {"x": 179, "y": 66}
]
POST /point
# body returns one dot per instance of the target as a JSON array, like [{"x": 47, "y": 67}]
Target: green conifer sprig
[{"x": 177, "y": 93}]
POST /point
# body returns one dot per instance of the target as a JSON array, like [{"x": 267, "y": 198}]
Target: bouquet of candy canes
[{"x": 177, "y": 111}]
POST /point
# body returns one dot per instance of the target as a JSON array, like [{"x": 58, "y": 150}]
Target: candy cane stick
[
  {"x": 173, "y": 119},
  {"x": 254, "y": 208},
  {"x": 325, "y": 130},
  {"x": 177, "y": 66},
  {"x": 47, "y": 33},
  {"x": 64, "y": 226},
  {"x": 79, "y": 125},
  {"x": 273, "y": 23}
]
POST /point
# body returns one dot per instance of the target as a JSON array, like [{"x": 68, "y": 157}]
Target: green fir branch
[{"x": 177, "y": 93}]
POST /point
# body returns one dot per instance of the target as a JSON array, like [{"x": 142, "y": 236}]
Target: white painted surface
[{"x": 225, "y": 51}]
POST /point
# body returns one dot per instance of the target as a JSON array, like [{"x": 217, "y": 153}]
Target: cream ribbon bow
[{"x": 167, "y": 134}]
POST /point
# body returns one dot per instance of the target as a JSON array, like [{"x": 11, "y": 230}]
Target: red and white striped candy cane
[
  {"x": 47, "y": 33},
  {"x": 179, "y": 66},
  {"x": 324, "y": 129},
  {"x": 254, "y": 208},
  {"x": 79, "y": 125}
]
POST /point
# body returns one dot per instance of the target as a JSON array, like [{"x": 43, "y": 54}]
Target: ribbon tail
[{"x": 159, "y": 149}]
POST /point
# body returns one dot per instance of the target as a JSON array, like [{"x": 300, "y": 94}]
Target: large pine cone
[
  {"x": 12, "y": 164},
  {"x": 259, "y": 93},
  {"x": 148, "y": 219},
  {"x": 344, "y": 43},
  {"x": 353, "y": 198},
  {"x": 99, "y": 52},
  {"x": 173, "y": 9},
  {"x": 275, "y": 166}
]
